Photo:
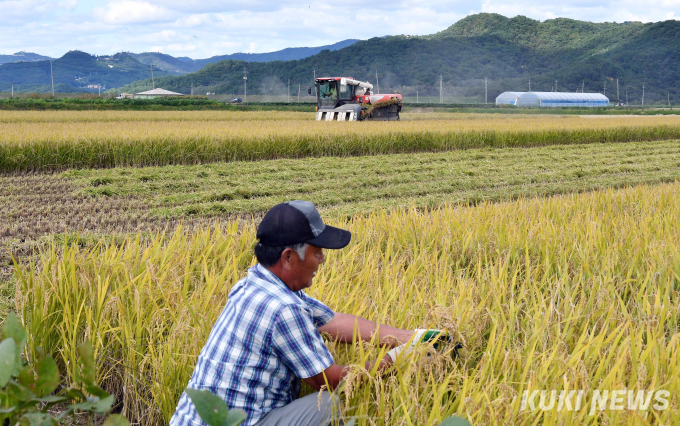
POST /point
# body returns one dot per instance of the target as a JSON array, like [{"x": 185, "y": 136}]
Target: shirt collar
[{"x": 263, "y": 273}]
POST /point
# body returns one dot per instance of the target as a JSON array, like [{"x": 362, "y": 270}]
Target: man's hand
[
  {"x": 421, "y": 336},
  {"x": 335, "y": 373}
]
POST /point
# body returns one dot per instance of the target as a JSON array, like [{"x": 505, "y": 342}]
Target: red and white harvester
[{"x": 346, "y": 99}]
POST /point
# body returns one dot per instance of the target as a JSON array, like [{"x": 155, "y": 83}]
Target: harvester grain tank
[{"x": 346, "y": 99}]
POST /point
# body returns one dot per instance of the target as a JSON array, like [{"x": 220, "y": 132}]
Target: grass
[
  {"x": 117, "y": 139},
  {"x": 579, "y": 291},
  {"x": 125, "y": 200},
  {"x": 358, "y": 184}
]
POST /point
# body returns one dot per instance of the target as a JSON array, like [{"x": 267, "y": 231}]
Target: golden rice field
[
  {"x": 44, "y": 141},
  {"x": 574, "y": 292},
  {"x": 579, "y": 291}
]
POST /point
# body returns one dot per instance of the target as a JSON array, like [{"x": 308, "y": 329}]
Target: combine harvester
[{"x": 346, "y": 99}]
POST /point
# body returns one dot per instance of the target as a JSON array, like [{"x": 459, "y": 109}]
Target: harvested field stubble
[
  {"x": 572, "y": 292},
  {"x": 31, "y": 145}
]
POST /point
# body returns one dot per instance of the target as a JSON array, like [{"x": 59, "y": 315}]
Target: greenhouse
[
  {"x": 508, "y": 98},
  {"x": 557, "y": 99}
]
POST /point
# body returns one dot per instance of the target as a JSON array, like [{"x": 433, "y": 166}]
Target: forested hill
[
  {"x": 76, "y": 70},
  {"x": 73, "y": 72},
  {"x": 509, "y": 51}
]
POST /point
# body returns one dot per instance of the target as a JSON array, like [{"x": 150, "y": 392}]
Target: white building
[
  {"x": 561, "y": 99},
  {"x": 508, "y": 98}
]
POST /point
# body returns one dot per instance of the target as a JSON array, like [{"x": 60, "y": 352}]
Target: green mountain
[
  {"x": 509, "y": 51},
  {"x": 23, "y": 57},
  {"x": 74, "y": 72},
  {"x": 185, "y": 65}
]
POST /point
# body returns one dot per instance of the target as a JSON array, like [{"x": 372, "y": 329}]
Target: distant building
[
  {"x": 561, "y": 99},
  {"x": 93, "y": 86},
  {"x": 508, "y": 98},
  {"x": 156, "y": 93}
]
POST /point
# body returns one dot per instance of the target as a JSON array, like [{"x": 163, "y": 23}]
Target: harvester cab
[{"x": 346, "y": 99}]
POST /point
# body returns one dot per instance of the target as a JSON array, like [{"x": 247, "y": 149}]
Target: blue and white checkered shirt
[{"x": 263, "y": 343}]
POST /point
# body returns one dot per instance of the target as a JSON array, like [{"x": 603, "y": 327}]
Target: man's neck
[{"x": 280, "y": 272}]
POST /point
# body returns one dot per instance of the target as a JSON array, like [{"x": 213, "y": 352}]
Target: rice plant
[
  {"x": 578, "y": 291},
  {"x": 71, "y": 140}
]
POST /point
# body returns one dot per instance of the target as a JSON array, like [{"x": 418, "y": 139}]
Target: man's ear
[{"x": 286, "y": 258}]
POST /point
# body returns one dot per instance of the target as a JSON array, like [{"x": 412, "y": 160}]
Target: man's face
[{"x": 305, "y": 270}]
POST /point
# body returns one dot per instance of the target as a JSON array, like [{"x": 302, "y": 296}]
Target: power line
[{"x": 486, "y": 90}]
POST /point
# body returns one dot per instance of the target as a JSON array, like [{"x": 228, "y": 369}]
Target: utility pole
[
  {"x": 12, "y": 91},
  {"x": 153, "y": 82},
  {"x": 618, "y": 99},
  {"x": 605, "y": 87},
  {"x": 417, "y": 100},
  {"x": 486, "y": 90},
  {"x": 377, "y": 82},
  {"x": 299, "y": 92},
  {"x": 245, "y": 85},
  {"x": 289, "y": 90},
  {"x": 192, "y": 88},
  {"x": 643, "y": 95},
  {"x": 669, "y": 98},
  {"x": 441, "y": 93},
  {"x": 315, "y": 94},
  {"x": 626, "y": 97},
  {"x": 555, "y": 85},
  {"x": 52, "y": 75},
  {"x": 530, "y": 84},
  {"x": 583, "y": 86}
]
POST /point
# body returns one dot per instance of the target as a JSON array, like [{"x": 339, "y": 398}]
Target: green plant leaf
[
  {"x": 48, "y": 376},
  {"x": 104, "y": 405},
  {"x": 116, "y": 420},
  {"x": 75, "y": 394},
  {"x": 99, "y": 406},
  {"x": 7, "y": 360},
  {"x": 87, "y": 371},
  {"x": 49, "y": 400},
  {"x": 27, "y": 377},
  {"x": 350, "y": 422},
  {"x": 36, "y": 419},
  {"x": 7, "y": 410},
  {"x": 97, "y": 391},
  {"x": 212, "y": 409},
  {"x": 455, "y": 421},
  {"x": 12, "y": 328},
  {"x": 19, "y": 393},
  {"x": 236, "y": 417}
]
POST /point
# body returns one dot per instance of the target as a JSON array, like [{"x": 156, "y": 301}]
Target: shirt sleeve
[
  {"x": 298, "y": 344},
  {"x": 321, "y": 314}
]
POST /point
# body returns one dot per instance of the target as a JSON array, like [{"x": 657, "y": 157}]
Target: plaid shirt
[{"x": 263, "y": 343}]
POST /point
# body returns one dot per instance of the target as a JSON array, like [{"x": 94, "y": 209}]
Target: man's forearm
[{"x": 342, "y": 327}]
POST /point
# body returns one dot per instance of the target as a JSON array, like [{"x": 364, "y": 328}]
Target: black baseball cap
[{"x": 296, "y": 222}]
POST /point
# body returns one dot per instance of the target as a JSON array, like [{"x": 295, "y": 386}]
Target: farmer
[{"x": 268, "y": 335}]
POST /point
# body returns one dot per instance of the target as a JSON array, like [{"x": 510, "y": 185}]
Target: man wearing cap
[{"x": 268, "y": 337}]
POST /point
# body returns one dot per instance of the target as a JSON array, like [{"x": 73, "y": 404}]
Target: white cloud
[
  {"x": 204, "y": 28},
  {"x": 130, "y": 11}
]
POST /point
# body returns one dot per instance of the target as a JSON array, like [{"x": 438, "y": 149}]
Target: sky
[{"x": 204, "y": 28}]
